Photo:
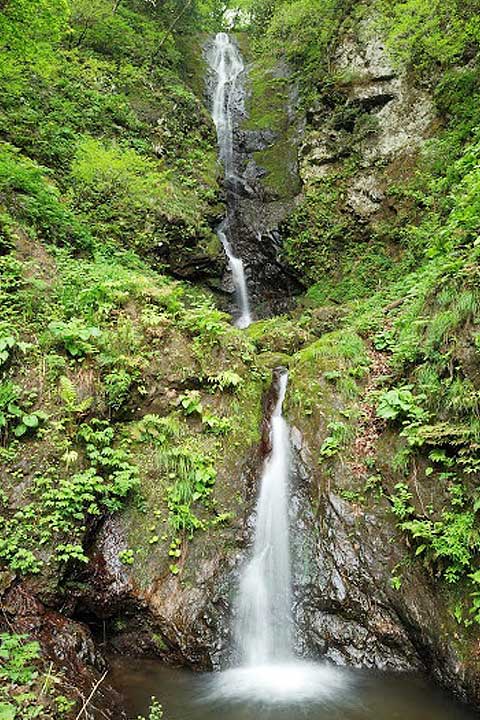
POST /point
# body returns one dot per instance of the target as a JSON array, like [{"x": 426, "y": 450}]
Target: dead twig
[
  {"x": 92, "y": 693},
  {"x": 176, "y": 19}
]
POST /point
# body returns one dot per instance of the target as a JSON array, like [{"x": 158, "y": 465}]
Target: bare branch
[
  {"x": 171, "y": 27},
  {"x": 92, "y": 693}
]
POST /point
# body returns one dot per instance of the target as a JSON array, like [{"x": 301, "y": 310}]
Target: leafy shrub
[
  {"x": 35, "y": 200},
  {"x": 191, "y": 403},
  {"x": 62, "y": 504},
  {"x": 226, "y": 380},
  {"x": 422, "y": 33},
  {"x": 332, "y": 444},
  {"x": 77, "y": 338},
  {"x": 155, "y": 712},
  {"x": 130, "y": 197},
  {"x": 400, "y": 403},
  {"x": 7, "y": 343},
  {"x": 26, "y": 691},
  {"x": 117, "y": 385},
  {"x": 194, "y": 475},
  {"x": 13, "y": 413}
]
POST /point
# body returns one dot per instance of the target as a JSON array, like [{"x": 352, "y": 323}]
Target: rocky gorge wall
[{"x": 147, "y": 590}]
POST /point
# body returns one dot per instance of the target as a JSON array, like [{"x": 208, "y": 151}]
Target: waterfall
[
  {"x": 226, "y": 62},
  {"x": 264, "y": 622},
  {"x": 269, "y": 671}
]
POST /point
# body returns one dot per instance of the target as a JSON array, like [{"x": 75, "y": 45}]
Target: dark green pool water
[{"x": 297, "y": 692}]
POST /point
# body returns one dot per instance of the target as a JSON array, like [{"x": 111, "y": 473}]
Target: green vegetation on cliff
[
  {"x": 403, "y": 258},
  {"x": 124, "y": 388}
]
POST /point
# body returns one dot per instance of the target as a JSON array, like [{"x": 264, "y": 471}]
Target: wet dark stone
[
  {"x": 68, "y": 644},
  {"x": 255, "y": 218}
]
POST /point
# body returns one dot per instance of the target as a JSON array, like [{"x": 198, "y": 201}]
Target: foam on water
[{"x": 286, "y": 683}]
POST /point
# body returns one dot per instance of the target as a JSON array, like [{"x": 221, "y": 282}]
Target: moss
[
  {"x": 268, "y": 108},
  {"x": 280, "y": 162},
  {"x": 280, "y": 334},
  {"x": 159, "y": 642},
  {"x": 268, "y": 96},
  {"x": 194, "y": 65}
]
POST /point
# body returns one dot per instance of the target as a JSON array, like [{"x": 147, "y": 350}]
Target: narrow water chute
[
  {"x": 269, "y": 671},
  {"x": 225, "y": 61}
]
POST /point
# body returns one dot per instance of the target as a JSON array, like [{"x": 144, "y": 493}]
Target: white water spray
[
  {"x": 264, "y": 617},
  {"x": 226, "y": 62}
]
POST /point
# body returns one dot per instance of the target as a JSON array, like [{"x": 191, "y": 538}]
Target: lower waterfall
[
  {"x": 263, "y": 631},
  {"x": 263, "y": 627}
]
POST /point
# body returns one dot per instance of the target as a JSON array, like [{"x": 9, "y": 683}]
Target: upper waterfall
[{"x": 226, "y": 62}]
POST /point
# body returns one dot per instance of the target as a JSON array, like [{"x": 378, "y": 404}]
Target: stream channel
[{"x": 266, "y": 680}]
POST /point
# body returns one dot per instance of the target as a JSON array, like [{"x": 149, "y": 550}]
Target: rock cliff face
[
  {"x": 380, "y": 115},
  {"x": 347, "y": 610}
]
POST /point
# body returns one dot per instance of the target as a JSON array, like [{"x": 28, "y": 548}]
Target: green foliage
[
  {"x": 128, "y": 195},
  {"x": 61, "y": 504},
  {"x": 29, "y": 32},
  {"x": 69, "y": 397},
  {"x": 452, "y": 541},
  {"x": 75, "y": 337},
  {"x": 401, "y": 505},
  {"x": 400, "y": 403},
  {"x": 32, "y": 199},
  {"x": 216, "y": 425},
  {"x": 206, "y": 323},
  {"x": 16, "y": 655},
  {"x": 14, "y": 415},
  {"x": 226, "y": 380},
  {"x": 301, "y": 30},
  {"x": 155, "y": 712},
  {"x": 194, "y": 476},
  {"x": 333, "y": 443},
  {"x": 26, "y": 690},
  {"x": 423, "y": 34},
  {"x": 157, "y": 429},
  {"x": 117, "y": 385},
  {"x": 126, "y": 557},
  {"x": 7, "y": 343},
  {"x": 191, "y": 403}
]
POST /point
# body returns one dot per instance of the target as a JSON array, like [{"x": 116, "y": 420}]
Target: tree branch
[
  {"x": 94, "y": 690},
  {"x": 170, "y": 28}
]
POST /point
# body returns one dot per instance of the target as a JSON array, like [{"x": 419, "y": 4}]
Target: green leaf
[
  {"x": 20, "y": 430},
  {"x": 31, "y": 421},
  {"x": 7, "y": 711}
]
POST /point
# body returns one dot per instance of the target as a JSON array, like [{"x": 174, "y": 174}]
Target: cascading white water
[
  {"x": 239, "y": 280},
  {"x": 270, "y": 672},
  {"x": 226, "y": 62},
  {"x": 264, "y": 617}
]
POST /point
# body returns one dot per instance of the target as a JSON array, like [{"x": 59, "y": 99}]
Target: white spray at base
[
  {"x": 226, "y": 62},
  {"x": 270, "y": 672}
]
